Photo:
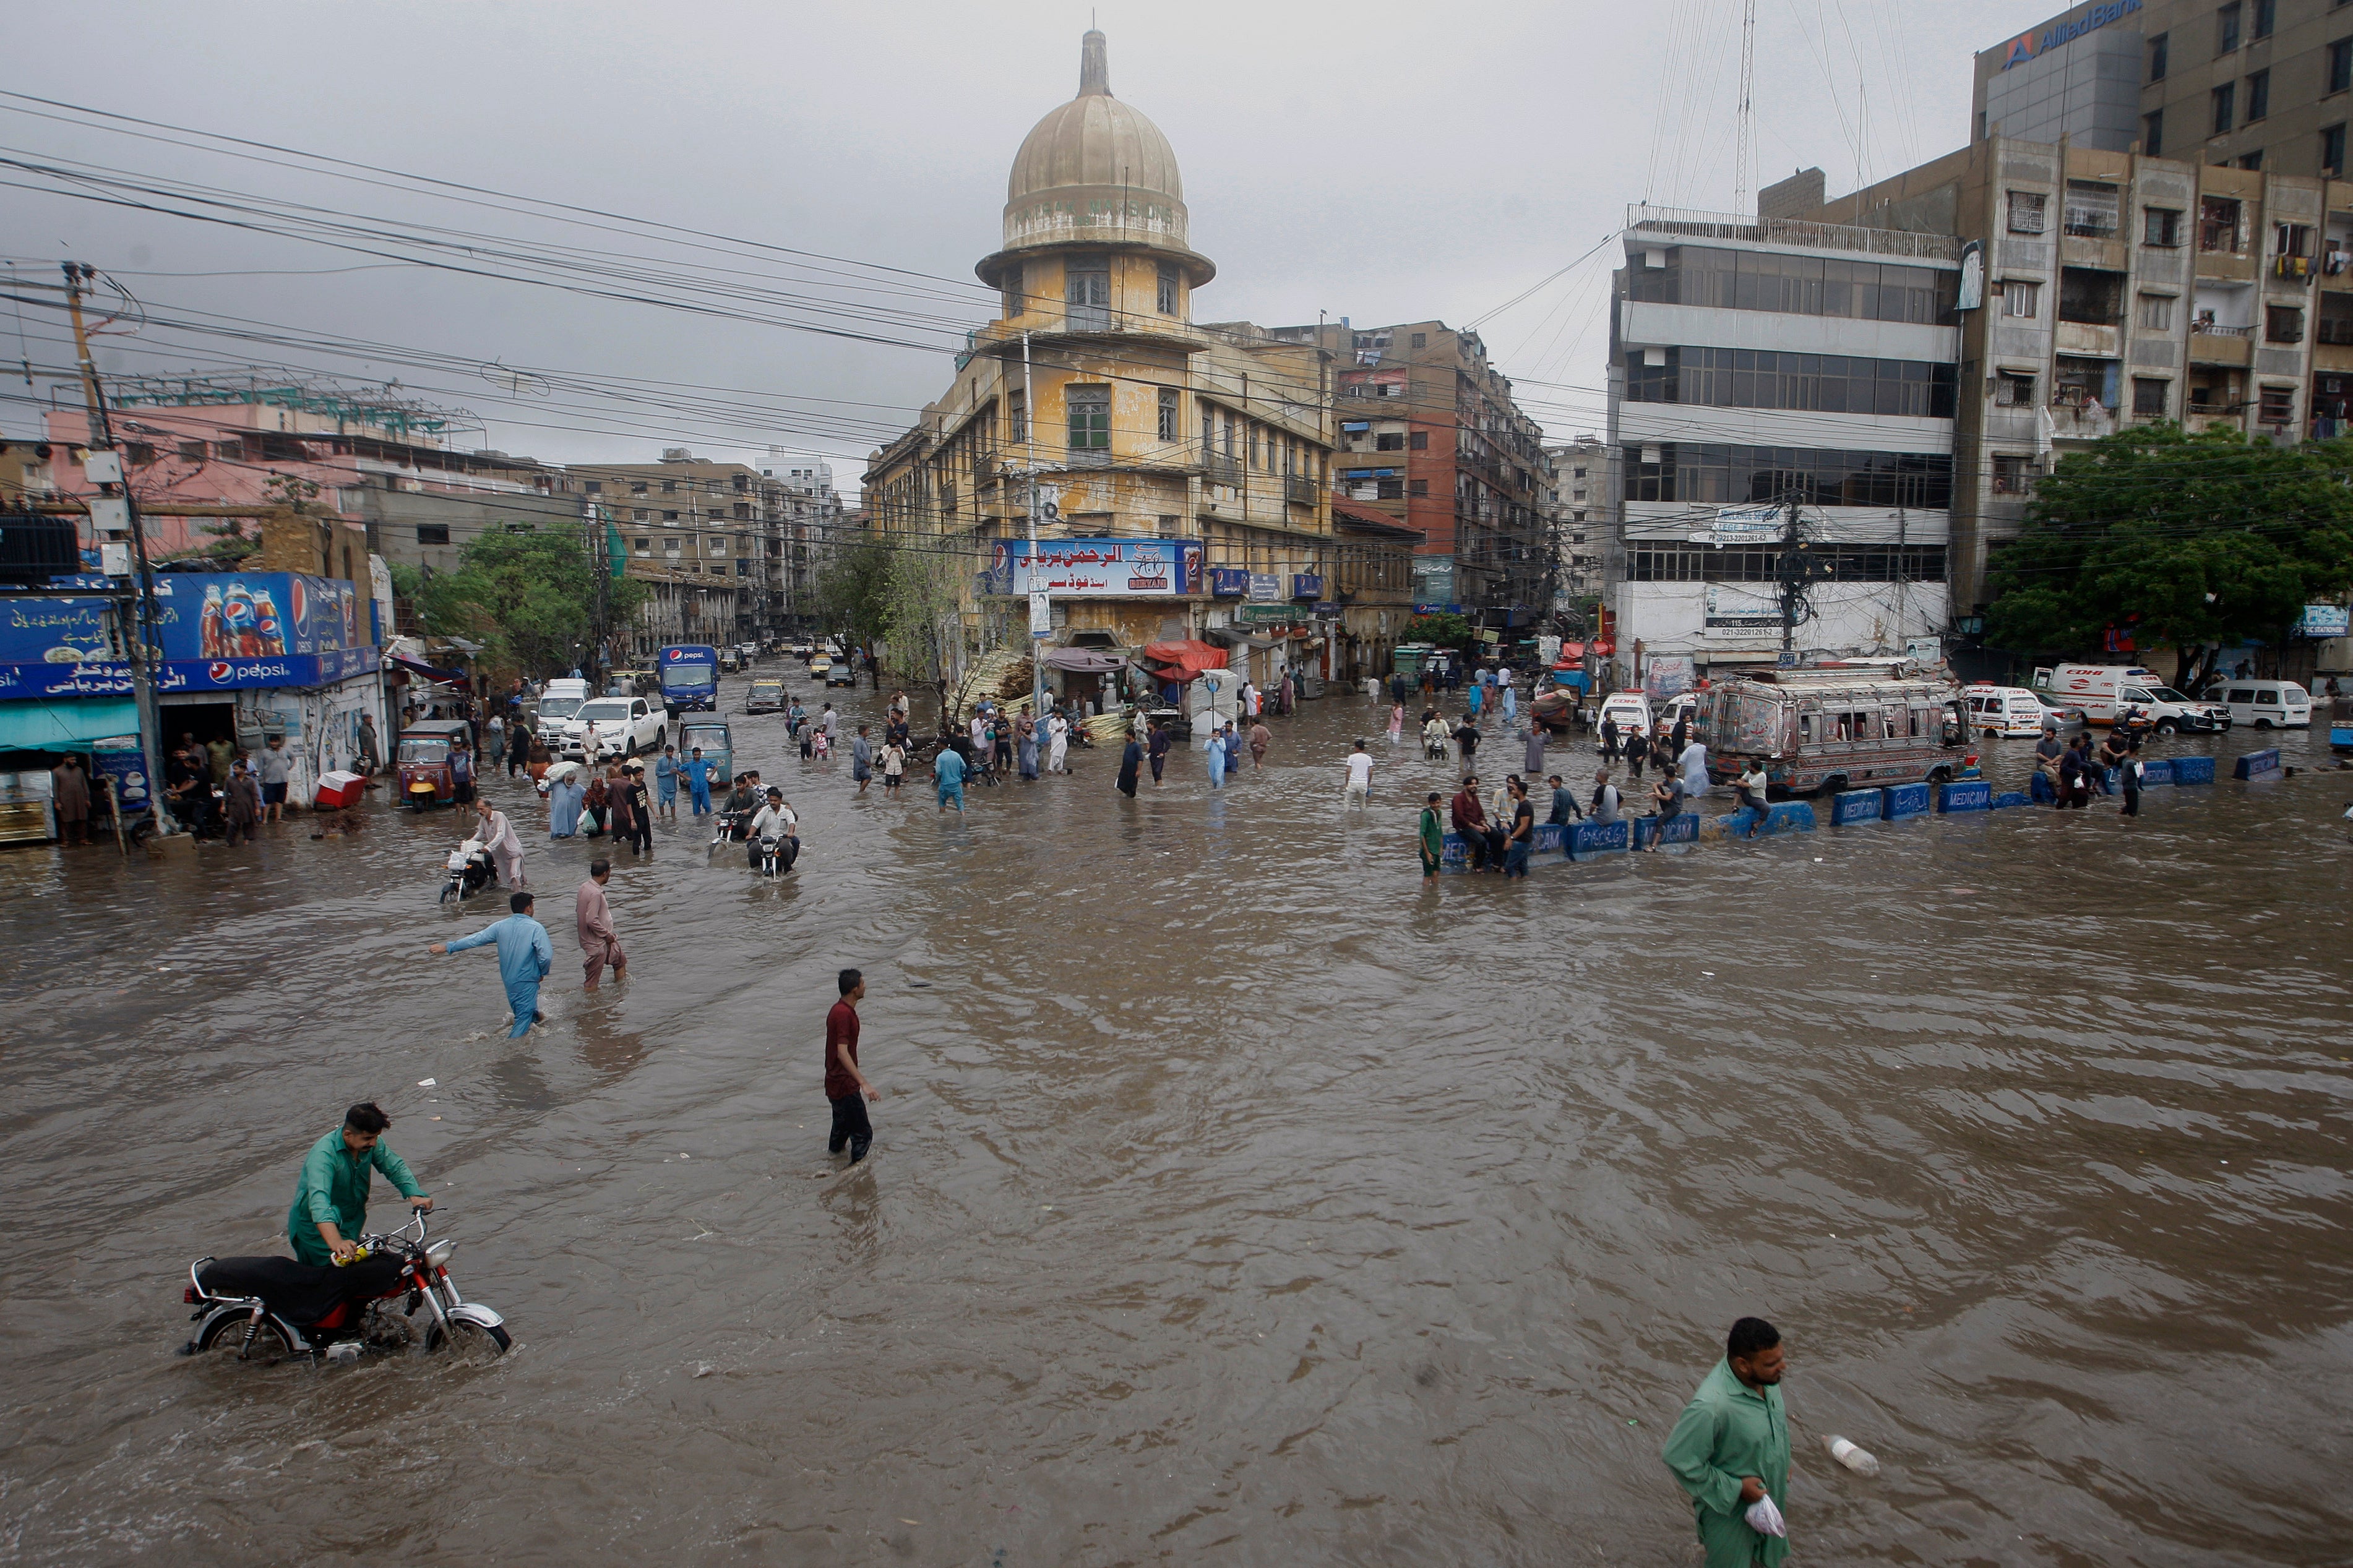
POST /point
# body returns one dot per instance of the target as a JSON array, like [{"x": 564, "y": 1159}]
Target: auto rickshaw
[
  {"x": 711, "y": 732},
  {"x": 424, "y": 759}
]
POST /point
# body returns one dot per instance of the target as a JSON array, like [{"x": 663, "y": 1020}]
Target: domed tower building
[{"x": 1173, "y": 462}]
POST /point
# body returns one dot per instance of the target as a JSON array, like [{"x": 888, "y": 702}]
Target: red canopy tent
[{"x": 1182, "y": 660}]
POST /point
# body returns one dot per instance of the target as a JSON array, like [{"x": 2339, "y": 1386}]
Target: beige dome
[{"x": 1095, "y": 171}]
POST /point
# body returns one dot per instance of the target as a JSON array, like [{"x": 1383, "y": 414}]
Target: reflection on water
[{"x": 1232, "y": 1195}]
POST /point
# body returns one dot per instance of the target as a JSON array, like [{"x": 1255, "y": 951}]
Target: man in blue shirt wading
[
  {"x": 1730, "y": 1448},
  {"x": 329, "y": 1208},
  {"x": 525, "y": 956}
]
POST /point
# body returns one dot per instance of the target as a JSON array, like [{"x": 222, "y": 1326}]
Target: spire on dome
[{"x": 1094, "y": 66}]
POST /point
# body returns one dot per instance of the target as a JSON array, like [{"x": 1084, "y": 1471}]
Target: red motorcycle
[{"x": 275, "y": 1309}]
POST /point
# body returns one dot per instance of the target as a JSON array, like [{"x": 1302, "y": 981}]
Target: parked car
[
  {"x": 2264, "y": 704},
  {"x": 841, "y": 672},
  {"x": 616, "y": 727},
  {"x": 766, "y": 697},
  {"x": 1632, "y": 710},
  {"x": 2107, "y": 692},
  {"x": 1998, "y": 710}
]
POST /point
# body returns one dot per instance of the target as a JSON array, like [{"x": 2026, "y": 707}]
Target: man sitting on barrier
[
  {"x": 1484, "y": 838},
  {"x": 1750, "y": 790}
]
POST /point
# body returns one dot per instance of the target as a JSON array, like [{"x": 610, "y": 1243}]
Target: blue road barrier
[
  {"x": 2160, "y": 772},
  {"x": 1971, "y": 794},
  {"x": 2257, "y": 765},
  {"x": 2194, "y": 770},
  {"x": 1453, "y": 853},
  {"x": 1903, "y": 800},
  {"x": 1551, "y": 838},
  {"x": 2009, "y": 798},
  {"x": 1682, "y": 829},
  {"x": 1857, "y": 805},
  {"x": 1790, "y": 817},
  {"x": 1590, "y": 839}
]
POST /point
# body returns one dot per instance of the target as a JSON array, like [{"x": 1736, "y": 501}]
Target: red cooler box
[{"x": 339, "y": 790}]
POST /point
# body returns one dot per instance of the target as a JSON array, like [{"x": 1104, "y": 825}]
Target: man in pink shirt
[{"x": 597, "y": 939}]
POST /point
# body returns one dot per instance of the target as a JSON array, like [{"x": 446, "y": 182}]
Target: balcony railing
[
  {"x": 1224, "y": 470},
  {"x": 1296, "y": 488},
  {"x": 2210, "y": 330},
  {"x": 1790, "y": 231}
]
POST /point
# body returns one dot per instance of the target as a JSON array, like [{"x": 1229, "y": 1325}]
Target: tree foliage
[
  {"x": 2189, "y": 540},
  {"x": 853, "y": 594},
  {"x": 529, "y": 598},
  {"x": 921, "y": 617},
  {"x": 1444, "y": 630}
]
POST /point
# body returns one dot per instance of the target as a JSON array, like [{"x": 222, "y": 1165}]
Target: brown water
[{"x": 1234, "y": 1200}]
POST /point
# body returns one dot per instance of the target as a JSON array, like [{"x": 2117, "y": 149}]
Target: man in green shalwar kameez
[{"x": 1731, "y": 1448}]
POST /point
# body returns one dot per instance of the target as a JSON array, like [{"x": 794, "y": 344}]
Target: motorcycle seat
[{"x": 302, "y": 1293}]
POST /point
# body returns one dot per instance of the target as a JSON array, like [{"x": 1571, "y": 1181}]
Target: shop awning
[
  {"x": 56, "y": 724},
  {"x": 415, "y": 667},
  {"x": 1182, "y": 660},
  {"x": 1234, "y": 636},
  {"x": 1083, "y": 660}
]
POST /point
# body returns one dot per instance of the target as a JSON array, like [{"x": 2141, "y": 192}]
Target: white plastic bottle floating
[{"x": 1859, "y": 1460}]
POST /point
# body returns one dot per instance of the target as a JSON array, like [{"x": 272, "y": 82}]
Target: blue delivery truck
[{"x": 690, "y": 678}]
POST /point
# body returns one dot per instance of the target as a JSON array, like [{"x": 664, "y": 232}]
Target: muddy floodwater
[{"x": 1234, "y": 1199}]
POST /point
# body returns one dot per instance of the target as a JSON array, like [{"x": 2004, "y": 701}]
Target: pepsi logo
[{"x": 219, "y": 670}]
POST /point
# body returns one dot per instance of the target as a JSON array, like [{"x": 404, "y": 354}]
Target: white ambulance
[{"x": 2105, "y": 690}]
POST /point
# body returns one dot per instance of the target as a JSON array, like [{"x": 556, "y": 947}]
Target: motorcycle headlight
[{"x": 439, "y": 1253}]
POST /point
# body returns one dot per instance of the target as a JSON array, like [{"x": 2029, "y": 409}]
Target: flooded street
[{"x": 1233, "y": 1200}]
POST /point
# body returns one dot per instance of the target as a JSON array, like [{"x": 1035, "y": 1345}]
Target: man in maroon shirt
[{"x": 844, "y": 1086}]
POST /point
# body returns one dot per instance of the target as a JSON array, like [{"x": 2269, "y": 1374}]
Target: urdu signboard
[{"x": 1096, "y": 568}]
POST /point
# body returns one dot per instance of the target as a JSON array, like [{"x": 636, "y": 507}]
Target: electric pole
[
  {"x": 1792, "y": 573},
  {"x": 143, "y": 619},
  {"x": 1041, "y": 607},
  {"x": 592, "y": 522}
]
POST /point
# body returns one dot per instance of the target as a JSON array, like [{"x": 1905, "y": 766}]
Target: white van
[
  {"x": 1630, "y": 709},
  {"x": 2103, "y": 690},
  {"x": 2264, "y": 704},
  {"x": 1996, "y": 710}
]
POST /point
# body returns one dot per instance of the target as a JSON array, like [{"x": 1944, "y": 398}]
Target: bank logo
[{"x": 2022, "y": 49}]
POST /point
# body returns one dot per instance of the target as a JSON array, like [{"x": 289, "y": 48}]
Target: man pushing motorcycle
[{"x": 330, "y": 1209}]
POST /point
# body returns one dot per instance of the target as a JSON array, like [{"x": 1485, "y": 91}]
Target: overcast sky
[{"x": 1379, "y": 162}]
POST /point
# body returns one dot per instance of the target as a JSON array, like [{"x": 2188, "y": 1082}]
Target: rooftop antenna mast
[{"x": 1744, "y": 145}]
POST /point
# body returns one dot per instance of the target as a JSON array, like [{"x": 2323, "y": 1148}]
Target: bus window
[
  {"x": 1891, "y": 723},
  {"x": 1805, "y": 729}
]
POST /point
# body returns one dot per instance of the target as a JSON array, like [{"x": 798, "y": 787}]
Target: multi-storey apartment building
[
  {"x": 1782, "y": 398},
  {"x": 2117, "y": 289},
  {"x": 693, "y": 531},
  {"x": 804, "y": 522},
  {"x": 1428, "y": 433},
  {"x": 1584, "y": 507}
]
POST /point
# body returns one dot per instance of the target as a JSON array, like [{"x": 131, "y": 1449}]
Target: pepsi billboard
[{"x": 216, "y": 631}]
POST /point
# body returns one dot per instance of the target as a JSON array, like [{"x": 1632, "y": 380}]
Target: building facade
[
  {"x": 1149, "y": 438},
  {"x": 2120, "y": 290},
  {"x": 2261, "y": 85},
  {"x": 1428, "y": 432},
  {"x": 1585, "y": 502},
  {"x": 1782, "y": 398}
]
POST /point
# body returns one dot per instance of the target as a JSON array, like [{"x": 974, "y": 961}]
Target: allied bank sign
[{"x": 2028, "y": 46}]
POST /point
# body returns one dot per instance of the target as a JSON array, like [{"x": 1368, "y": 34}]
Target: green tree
[
  {"x": 1446, "y": 629},
  {"x": 853, "y": 595},
  {"x": 529, "y": 598},
  {"x": 2196, "y": 540},
  {"x": 921, "y": 605}
]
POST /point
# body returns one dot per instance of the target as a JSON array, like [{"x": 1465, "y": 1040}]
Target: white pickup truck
[{"x": 615, "y": 727}]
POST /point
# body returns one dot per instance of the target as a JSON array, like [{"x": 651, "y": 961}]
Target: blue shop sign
[
  {"x": 22, "y": 682},
  {"x": 1306, "y": 586},
  {"x": 1229, "y": 582}
]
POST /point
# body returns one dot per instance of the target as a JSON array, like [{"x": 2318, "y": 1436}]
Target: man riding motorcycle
[
  {"x": 775, "y": 820},
  {"x": 329, "y": 1208},
  {"x": 742, "y": 801}
]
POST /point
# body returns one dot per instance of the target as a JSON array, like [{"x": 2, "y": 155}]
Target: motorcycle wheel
[
  {"x": 225, "y": 1337},
  {"x": 471, "y": 1343},
  {"x": 446, "y": 891}
]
